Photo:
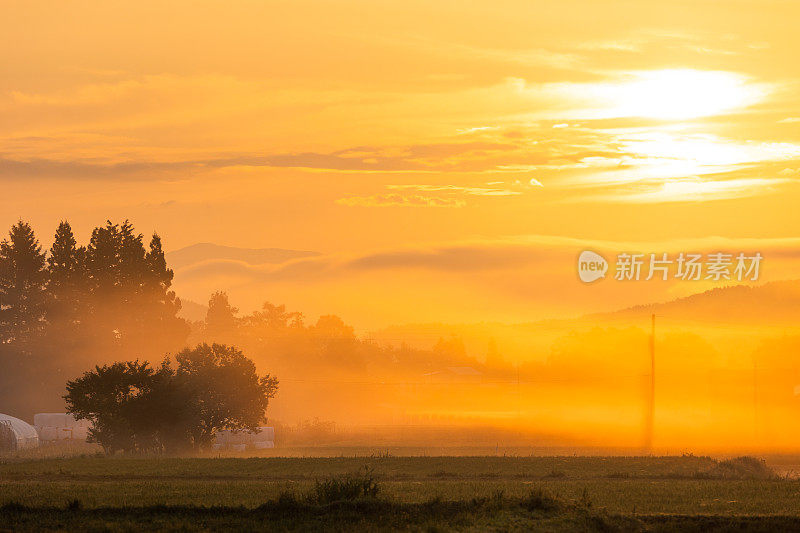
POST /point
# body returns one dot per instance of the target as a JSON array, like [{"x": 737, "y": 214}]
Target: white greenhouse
[{"x": 16, "y": 434}]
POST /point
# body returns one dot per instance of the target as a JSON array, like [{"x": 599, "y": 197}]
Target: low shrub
[
  {"x": 344, "y": 488},
  {"x": 539, "y": 500}
]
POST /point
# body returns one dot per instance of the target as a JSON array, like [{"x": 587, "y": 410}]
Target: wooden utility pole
[
  {"x": 755, "y": 401},
  {"x": 651, "y": 396}
]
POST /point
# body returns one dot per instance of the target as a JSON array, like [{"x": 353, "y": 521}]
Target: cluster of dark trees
[
  {"x": 72, "y": 306},
  {"x": 135, "y": 407},
  {"x": 78, "y": 310}
]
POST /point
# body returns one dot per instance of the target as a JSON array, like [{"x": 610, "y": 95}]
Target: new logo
[{"x": 591, "y": 266}]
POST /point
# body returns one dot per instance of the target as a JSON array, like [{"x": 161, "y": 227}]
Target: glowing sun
[{"x": 679, "y": 94}]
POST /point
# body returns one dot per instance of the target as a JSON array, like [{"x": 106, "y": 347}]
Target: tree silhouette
[
  {"x": 159, "y": 304},
  {"x": 221, "y": 321},
  {"x": 23, "y": 299},
  {"x": 135, "y": 407},
  {"x": 133, "y": 310},
  {"x": 23, "y": 308},
  {"x": 65, "y": 277},
  {"x": 227, "y": 391},
  {"x": 78, "y": 306}
]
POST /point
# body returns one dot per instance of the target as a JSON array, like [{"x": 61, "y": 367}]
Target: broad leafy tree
[
  {"x": 135, "y": 407},
  {"x": 227, "y": 391}
]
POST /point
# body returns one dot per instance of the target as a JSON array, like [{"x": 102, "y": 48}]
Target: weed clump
[
  {"x": 539, "y": 500},
  {"x": 361, "y": 486},
  {"x": 74, "y": 505},
  {"x": 287, "y": 499},
  {"x": 13, "y": 507},
  {"x": 740, "y": 468}
]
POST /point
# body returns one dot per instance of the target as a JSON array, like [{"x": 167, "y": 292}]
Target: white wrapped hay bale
[
  {"x": 221, "y": 438},
  {"x": 262, "y": 438},
  {"x": 264, "y": 434},
  {"x": 228, "y": 438},
  {"x": 47, "y": 433},
  {"x": 80, "y": 431},
  {"x": 60, "y": 426}
]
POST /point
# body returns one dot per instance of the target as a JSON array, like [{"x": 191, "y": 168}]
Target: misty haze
[{"x": 399, "y": 266}]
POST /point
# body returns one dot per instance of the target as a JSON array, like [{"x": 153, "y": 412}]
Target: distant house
[{"x": 16, "y": 434}]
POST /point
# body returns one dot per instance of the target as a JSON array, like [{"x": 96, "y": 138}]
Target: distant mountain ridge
[
  {"x": 206, "y": 251},
  {"x": 777, "y": 302},
  {"x": 774, "y": 305}
]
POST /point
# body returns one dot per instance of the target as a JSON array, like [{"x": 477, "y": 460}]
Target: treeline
[
  {"x": 68, "y": 308},
  {"x": 65, "y": 309},
  {"x": 283, "y": 341}
]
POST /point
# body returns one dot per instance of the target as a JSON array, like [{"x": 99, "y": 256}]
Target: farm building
[
  {"x": 240, "y": 441},
  {"x": 16, "y": 434},
  {"x": 60, "y": 426}
]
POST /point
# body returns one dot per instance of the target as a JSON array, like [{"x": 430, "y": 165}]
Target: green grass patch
[{"x": 388, "y": 493}]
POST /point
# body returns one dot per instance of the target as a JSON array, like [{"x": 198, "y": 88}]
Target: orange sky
[{"x": 471, "y": 148}]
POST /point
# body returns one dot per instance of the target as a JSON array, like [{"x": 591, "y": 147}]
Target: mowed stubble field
[{"x": 416, "y": 493}]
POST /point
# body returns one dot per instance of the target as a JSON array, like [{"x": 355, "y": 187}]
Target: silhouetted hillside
[
  {"x": 769, "y": 304},
  {"x": 738, "y": 309}
]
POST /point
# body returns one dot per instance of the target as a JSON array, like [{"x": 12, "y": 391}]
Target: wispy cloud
[
  {"x": 688, "y": 190},
  {"x": 421, "y": 158},
  {"x": 524, "y": 276},
  {"x": 399, "y": 200},
  {"x": 473, "y": 191},
  {"x": 513, "y": 252}
]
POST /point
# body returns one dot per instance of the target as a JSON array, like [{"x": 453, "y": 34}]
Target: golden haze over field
[{"x": 429, "y": 172}]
